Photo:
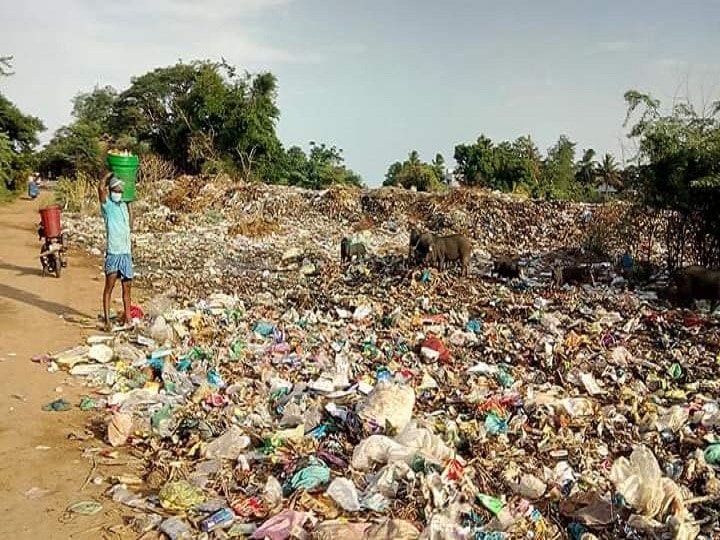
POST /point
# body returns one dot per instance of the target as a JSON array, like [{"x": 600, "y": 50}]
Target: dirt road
[{"x": 41, "y": 470}]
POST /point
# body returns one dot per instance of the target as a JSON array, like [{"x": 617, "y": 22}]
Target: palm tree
[
  {"x": 414, "y": 158},
  {"x": 609, "y": 172},
  {"x": 587, "y": 168}
]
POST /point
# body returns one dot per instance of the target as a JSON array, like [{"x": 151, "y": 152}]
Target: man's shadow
[
  {"x": 21, "y": 270},
  {"x": 31, "y": 299}
]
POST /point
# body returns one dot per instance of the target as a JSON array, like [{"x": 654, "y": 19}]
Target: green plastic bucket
[{"x": 125, "y": 168}]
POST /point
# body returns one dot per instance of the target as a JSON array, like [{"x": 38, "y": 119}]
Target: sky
[{"x": 379, "y": 78}]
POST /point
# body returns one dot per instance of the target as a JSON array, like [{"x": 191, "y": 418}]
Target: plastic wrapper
[{"x": 389, "y": 403}]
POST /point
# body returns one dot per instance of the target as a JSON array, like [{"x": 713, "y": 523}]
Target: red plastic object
[
  {"x": 136, "y": 312},
  {"x": 50, "y": 219},
  {"x": 435, "y": 344}
]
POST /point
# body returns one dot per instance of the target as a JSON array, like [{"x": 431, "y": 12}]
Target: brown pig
[
  {"x": 445, "y": 249},
  {"x": 697, "y": 283},
  {"x": 348, "y": 250},
  {"x": 572, "y": 274},
  {"x": 506, "y": 267},
  {"x": 419, "y": 244}
]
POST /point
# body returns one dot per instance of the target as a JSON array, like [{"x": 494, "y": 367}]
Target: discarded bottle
[{"x": 222, "y": 517}]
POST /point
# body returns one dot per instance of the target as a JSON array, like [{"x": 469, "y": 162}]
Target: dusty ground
[{"x": 39, "y": 315}]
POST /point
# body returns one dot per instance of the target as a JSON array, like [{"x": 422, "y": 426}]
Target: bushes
[{"x": 77, "y": 194}]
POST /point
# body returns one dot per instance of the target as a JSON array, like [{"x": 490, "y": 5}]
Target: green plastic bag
[
  {"x": 712, "y": 454},
  {"x": 493, "y": 504}
]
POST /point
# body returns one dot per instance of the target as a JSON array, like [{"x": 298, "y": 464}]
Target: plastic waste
[
  {"x": 272, "y": 493},
  {"x": 335, "y": 530},
  {"x": 434, "y": 350},
  {"x": 344, "y": 493},
  {"x": 220, "y": 519},
  {"x": 310, "y": 477},
  {"x": 100, "y": 353},
  {"x": 493, "y": 504},
  {"x": 712, "y": 454},
  {"x": 229, "y": 445},
  {"x": 160, "y": 330},
  {"x": 494, "y": 424},
  {"x": 85, "y": 508},
  {"x": 640, "y": 482},
  {"x": 119, "y": 428},
  {"x": 392, "y": 529},
  {"x": 59, "y": 405},
  {"x": 176, "y": 529},
  {"x": 388, "y": 403},
  {"x": 180, "y": 496},
  {"x": 282, "y": 526},
  {"x": 530, "y": 487},
  {"x": 144, "y": 523}
]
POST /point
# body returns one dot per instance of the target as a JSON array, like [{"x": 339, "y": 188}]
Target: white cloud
[{"x": 61, "y": 48}]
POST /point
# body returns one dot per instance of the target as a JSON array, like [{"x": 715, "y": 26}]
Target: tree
[
  {"x": 414, "y": 173},
  {"x": 96, "y": 107},
  {"x": 391, "y": 177},
  {"x": 609, "y": 172},
  {"x": 438, "y": 165},
  {"x": 678, "y": 170},
  {"x": 475, "y": 162},
  {"x": 322, "y": 167},
  {"x": 204, "y": 114},
  {"x": 79, "y": 146},
  {"x": 18, "y": 138},
  {"x": 586, "y": 169},
  {"x": 559, "y": 171}
]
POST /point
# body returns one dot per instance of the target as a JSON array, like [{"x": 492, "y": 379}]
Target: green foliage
[
  {"x": 414, "y": 173},
  {"x": 678, "y": 170},
  {"x": 519, "y": 167},
  {"x": 322, "y": 167},
  {"x": 476, "y": 163},
  {"x": 18, "y": 137},
  {"x": 558, "y": 179},
  {"x": 78, "y": 194},
  {"x": 586, "y": 169},
  {"x": 203, "y": 114}
]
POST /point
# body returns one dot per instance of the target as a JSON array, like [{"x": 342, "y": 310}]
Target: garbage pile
[
  {"x": 220, "y": 235},
  {"x": 378, "y": 401}
]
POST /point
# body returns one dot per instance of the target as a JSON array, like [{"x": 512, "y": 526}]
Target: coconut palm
[
  {"x": 586, "y": 170},
  {"x": 609, "y": 172}
]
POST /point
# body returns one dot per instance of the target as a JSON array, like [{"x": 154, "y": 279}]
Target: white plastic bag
[
  {"x": 389, "y": 403},
  {"x": 229, "y": 445},
  {"x": 641, "y": 483},
  {"x": 344, "y": 493},
  {"x": 376, "y": 449},
  {"x": 424, "y": 442}
]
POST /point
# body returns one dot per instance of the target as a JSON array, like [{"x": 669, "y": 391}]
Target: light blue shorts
[{"x": 120, "y": 264}]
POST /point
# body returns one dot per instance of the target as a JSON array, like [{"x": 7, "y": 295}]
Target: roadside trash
[
  {"x": 176, "y": 529},
  {"x": 180, "y": 496},
  {"x": 85, "y": 508},
  {"x": 270, "y": 392},
  {"x": 712, "y": 454},
  {"x": 119, "y": 428},
  {"x": 219, "y": 519},
  {"x": 59, "y": 405},
  {"x": 344, "y": 493}
]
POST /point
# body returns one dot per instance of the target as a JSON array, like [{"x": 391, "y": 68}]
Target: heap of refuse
[
  {"x": 226, "y": 235},
  {"x": 379, "y": 401}
]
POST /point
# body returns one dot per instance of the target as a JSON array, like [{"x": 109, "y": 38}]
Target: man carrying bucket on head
[{"x": 118, "y": 256}]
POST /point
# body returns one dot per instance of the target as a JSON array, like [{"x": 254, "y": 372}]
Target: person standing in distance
[{"x": 118, "y": 253}]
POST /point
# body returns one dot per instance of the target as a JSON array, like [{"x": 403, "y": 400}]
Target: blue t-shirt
[{"x": 117, "y": 227}]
